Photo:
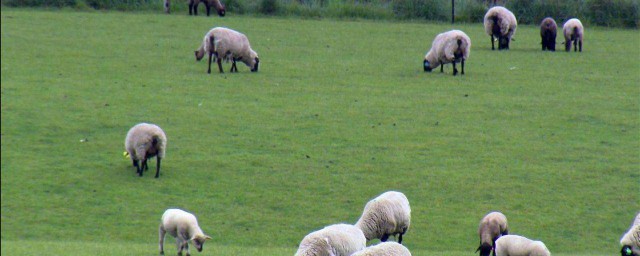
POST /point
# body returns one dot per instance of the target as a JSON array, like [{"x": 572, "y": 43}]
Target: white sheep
[
  {"x": 491, "y": 227},
  {"x": 334, "y": 240},
  {"x": 630, "y": 241},
  {"x": 384, "y": 249},
  {"x": 228, "y": 45},
  {"x": 193, "y": 6},
  {"x": 573, "y": 33},
  {"x": 385, "y": 215},
  {"x": 145, "y": 141},
  {"x": 448, "y": 47},
  {"x": 514, "y": 245},
  {"x": 499, "y": 22},
  {"x": 548, "y": 32},
  {"x": 184, "y": 227}
]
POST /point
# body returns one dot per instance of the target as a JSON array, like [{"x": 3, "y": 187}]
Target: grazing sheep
[
  {"x": 227, "y": 44},
  {"x": 499, "y": 22},
  {"x": 167, "y": 8},
  {"x": 514, "y": 245},
  {"x": 630, "y": 241},
  {"x": 184, "y": 227},
  {"x": 145, "y": 141},
  {"x": 335, "y": 240},
  {"x": 193, "y": 6},
  {"x": 448, "y": 47},
  {"x": 384, "y": 249},
  {"x": 492, "y": 226},
  {"x": 385, "y": 215},
  {"x": 548, "y": 31},
  {"x": 573, "y": 33}
]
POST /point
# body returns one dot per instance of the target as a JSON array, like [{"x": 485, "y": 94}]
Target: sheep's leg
[
  {"x": 161, "y": 233},
  {"x": 206, "y": 5},
  {"x": 190, "y": 7},
  {"x": 186, "y": 246},
  {"x": 462, "y": 64},
  {"x": 400, "y": 238},
  {"x": 158, "y": 168},
  {"x": 210, "y": 57},
  {"x": 492, "y": 43},
  {"x": 180, "y": 245},
  {"x": 234, "y": 67},
  {"x": 567, "y": 45},
  {"x": 135, "y": 163},
  {"x": 195, "y": 9},
  {"x": 146, "y": 166},
  {"x": 441, "y": 67},
  {"x": 455, "y": 70},
  {"x": 580, "y": 45},
  {"x": 220, "y": 65}
]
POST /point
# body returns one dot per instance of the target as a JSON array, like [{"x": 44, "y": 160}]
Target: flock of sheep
[
  {"x": 500, "y": 24},
  {"x": 388, "y": 214}
]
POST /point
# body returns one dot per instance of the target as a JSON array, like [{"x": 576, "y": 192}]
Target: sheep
[
  {"x": 548, "y": 31},
  {"x": 573, "y": 33},
  {"x": 227, "y": 44},
  {"x": 499, "y": 22},
  {"x": 167, "y": 8},
  {"x": 384, "y": 249},
  {"x": 630, "y": 241},
  {"x": 335, "y": 240},
  {"x": 193, "y": 6},
  {"x": 385, "y": 215},
  {"x": 145, "y": 141},
  {"x": 184, "y": 227},
  {"x": 448, "y": 47},
  {"x": 491, "y": 227},
  {"x": 514, "y": 245}
]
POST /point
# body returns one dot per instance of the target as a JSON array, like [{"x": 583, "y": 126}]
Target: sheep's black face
[
  {"x": 199, "y": 245},
  {"x": 255, "y": 67},
  {"x": 626, "y": 251},
  {"x": 221, "y": 12},
  {"x": 485, "y": 250},
  {"x": 427, "y": 66}
]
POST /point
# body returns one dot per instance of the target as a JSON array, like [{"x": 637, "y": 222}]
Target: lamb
[
  {"x": 184, "y": 227},
  {"x": 499, "y": 22},
  {"x": 384, "y": 249},
  {"x": 492, "y": 226},
  {"x": 385, "y": 215},
  {"x": 193, "y": 6},
  {"x": 548, "y": 31},
  {"x": 145, "y": 141},
  {"x": 335, "y": 240},
  {"x": 573, "y": 33},
  {"x": 514, "y": 245},
  {"x": 227, "y": 44},
  {"x": 630, "y": 241},
  {"x": 448, "y": 47}
]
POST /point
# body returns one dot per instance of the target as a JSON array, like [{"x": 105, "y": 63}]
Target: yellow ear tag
[{"x": 125, "y": 154}]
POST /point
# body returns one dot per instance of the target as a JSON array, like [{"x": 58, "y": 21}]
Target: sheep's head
[
  {"x": 626, "y": 251},
  {"x": 199, "y": 240},
  {"x": 199, "y": 54},
  {"x": 427, "y": 66},
  {"x": 485, "y": 249},
  {"x": 220, "y": 8},
  {"x": 254, "y": 61}
]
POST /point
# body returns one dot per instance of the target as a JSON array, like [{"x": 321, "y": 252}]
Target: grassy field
[{"x": 339, "y": 112}]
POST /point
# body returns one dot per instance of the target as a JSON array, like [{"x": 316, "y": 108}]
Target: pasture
[{"x": 339, "y": 112}]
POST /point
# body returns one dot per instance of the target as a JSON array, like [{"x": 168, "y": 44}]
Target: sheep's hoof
[{"x": 455, "y": 72}]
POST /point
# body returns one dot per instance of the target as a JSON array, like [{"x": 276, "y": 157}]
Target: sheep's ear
[{"x": 207, "y": 237}]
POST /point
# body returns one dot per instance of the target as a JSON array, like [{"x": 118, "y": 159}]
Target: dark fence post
[{"x": 453, "y": 10}]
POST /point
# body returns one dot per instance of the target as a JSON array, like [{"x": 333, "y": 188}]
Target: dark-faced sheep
[
  {"x": 630, "y": 241},
  {"x": 448, "y": 47},
  {"x": 500, "y": 23},
  {"x": 193, "y": 6},
  {"x": 145, "y": 141},
  {"x": 386, "y": 215},
  {"x": 228, "y": 45},
  {"x": 491, "y": 227},
  {"x": 573, "y": 33},
  {"x": 548, "y": 31}
]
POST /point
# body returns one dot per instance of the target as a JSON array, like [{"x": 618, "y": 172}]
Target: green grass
[{"x": 339, "y": 112}]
